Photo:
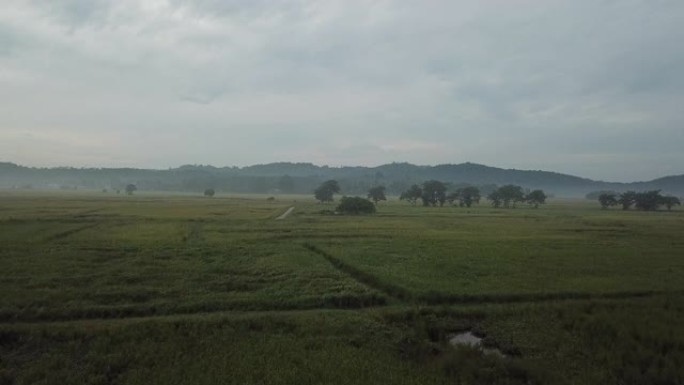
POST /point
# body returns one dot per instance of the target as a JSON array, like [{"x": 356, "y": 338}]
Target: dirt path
[{"x": 285, "y": 214}]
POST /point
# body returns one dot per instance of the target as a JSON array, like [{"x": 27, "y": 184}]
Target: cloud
[{"x": 524, "y": 83}]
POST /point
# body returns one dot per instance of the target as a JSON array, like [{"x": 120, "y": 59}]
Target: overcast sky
[{"x": 593, "y": 88}]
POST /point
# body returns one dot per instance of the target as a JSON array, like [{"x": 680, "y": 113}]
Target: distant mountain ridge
[{"x": 303, "y": 177}]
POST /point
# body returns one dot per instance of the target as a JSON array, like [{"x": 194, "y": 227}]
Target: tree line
[
  {"x": 645, "y": 200},
  {"x": 436, "y": 193}
]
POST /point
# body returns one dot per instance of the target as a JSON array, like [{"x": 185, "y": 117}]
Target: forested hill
[{"x": 304, "y": 177}]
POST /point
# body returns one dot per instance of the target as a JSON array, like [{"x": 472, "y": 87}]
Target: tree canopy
[
  {"x": 670, "y": 201},
  {"x": 536, "y": 198},
  {"x": 507, "y": 196},
  {"x": 645, "y": 200},
  {"x": 412, "y": 194},
  {"x": 465, "y": 196},
  {"x": 130, "y": 188},
  {"x": 607, "y": 200},
  {"x": 627, "y": 199},
  {"x": 325, "y": 192},
  {"x": 377, "y": 194},
  {"x": 434, "y": 192}
]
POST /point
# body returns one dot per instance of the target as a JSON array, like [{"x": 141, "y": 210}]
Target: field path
[{"x": 285, "y": 214}]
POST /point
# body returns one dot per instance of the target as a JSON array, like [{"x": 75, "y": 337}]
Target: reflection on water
[{"x": 470, "y": 339}]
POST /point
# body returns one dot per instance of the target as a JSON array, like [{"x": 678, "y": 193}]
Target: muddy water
[{"x": 470, "y": 339}]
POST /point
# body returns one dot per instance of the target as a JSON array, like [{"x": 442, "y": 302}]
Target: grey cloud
[
  {"x": 497, "y": 82},
  {"x": 75, "y": 13}
]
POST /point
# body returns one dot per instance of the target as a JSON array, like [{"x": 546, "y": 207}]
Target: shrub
[{"x": 355, "y": 205}]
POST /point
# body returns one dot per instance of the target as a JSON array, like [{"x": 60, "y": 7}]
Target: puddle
[{"x": 470, "y": 339}]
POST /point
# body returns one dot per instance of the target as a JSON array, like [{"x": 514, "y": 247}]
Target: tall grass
[{"x": 177, "y": 289}]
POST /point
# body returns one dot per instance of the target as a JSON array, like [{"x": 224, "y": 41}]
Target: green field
[{"x": 162, "y": 289}]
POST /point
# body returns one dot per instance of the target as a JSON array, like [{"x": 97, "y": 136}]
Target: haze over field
[{"x": 588, "y": 88}]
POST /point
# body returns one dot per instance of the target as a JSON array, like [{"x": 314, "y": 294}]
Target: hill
[{"x": 284, "y": 177}]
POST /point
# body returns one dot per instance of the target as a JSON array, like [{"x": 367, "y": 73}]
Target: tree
[
  {"x": 464, "y": 197},
  {"x": 536, "y": 198},
  {"x": 648, "y": 200},
  {"x": 434, "y": 192},
  {"x": 468, "y": 196},
  {"x": 454, "y": 198},
  {"x": 670, "y": 201},
  {"x": 507, "y": 196},
  {"x": 325, "y": 192},
  {"x": 627, "y": 199},
  {"x": 377, "y": 194},
  {"x": 412, "y": 194},
  {"x": 130, "y": 188},
  {"x": 607, "y": 200},
  {"x": 496, "y": 198},
  {"x": 511, "y": 194},
  {"x": 355, "y": 205},
  {"x": 209, "y": 192}
]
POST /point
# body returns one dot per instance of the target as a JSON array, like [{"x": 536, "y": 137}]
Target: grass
[
  {"x": 458, "y": 255},
  {"x": 104, "y": 289}
]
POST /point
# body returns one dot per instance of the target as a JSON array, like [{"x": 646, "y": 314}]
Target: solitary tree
[
  {"x": 209, "y": 192},
  {"x": 325, "y": 192},
  {"x": 412, "y": 194},
  {"x": 130, "y": 188},
  {"x": 377, "y": 194},
  {"x": 536, "y": 198},
  {"x": 607, "y": 200},
  {"x": 434, "y": 192}
]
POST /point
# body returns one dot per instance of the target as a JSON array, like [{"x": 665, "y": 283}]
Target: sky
[{"x": 593, "y": 88}]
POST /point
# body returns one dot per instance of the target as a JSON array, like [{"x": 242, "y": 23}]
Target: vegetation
[
  {"x": 607, "y": 200},
  {"x": 627, "y": 199},
  {"x": 536, "y": 198},
  {"x": 161, "y": 289},
  {"x": 130, "y": 188},
  {"x": 433, "y": 193},
  {"x": 324, "y": 192},
  {"x": 465, "y": 196},
  {"x": 506, "y": 196},
  {"x": 669, "y": 202},
  {"x": 302, "y": 178},
  {"x": 209, "y": 192},
  {"x": 646, "y": 201},
  {"x": 355, "y": 205},
  {"x": 412, "y": 194},
  {"x": 377, "y": 194}
]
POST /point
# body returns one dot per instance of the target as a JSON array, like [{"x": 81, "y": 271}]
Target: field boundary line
[
  {"x": 329, "y": 302},
  {"x": 361, "y": 276},
  {"x": 66, "y": 233},
  {"x": 436, "y": 298}
]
